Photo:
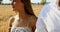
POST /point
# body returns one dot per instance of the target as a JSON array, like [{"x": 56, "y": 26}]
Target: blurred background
[{"x": 6, "y": 11}]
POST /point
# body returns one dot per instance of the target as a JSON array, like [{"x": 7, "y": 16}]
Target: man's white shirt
[{"x": 49, "y": 19}]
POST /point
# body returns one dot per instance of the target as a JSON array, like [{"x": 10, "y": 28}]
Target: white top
[
  {"x": 21, "y": 29},
  {"x": 49, "y": 19}
]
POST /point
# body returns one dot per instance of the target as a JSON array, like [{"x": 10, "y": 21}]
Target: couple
[{"x": 48, "y": 19}]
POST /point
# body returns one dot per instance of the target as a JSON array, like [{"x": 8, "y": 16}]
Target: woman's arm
[{"x": 10, "y": 22}]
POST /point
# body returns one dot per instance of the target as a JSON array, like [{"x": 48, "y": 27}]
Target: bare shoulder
[
  {"x": 34, "y": 18},
  {"x": 11, "y": 19}
]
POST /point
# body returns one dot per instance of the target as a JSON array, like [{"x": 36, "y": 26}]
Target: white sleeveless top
[
  {"x": 19, "y": 29},
  {"x": 49, "y": 19}
]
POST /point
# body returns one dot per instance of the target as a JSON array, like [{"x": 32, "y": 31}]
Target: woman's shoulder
[
  {"x": 11, "y": 19},
  {"x": 16, "y": 17}
]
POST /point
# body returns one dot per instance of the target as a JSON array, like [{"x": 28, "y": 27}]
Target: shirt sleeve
[{"x": 40, "y": 26}]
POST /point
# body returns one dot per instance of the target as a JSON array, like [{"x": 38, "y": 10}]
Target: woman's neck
[{"x": 23, "y": 15}]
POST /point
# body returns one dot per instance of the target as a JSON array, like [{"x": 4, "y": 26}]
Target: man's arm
[{"x": 40, "y": 25}]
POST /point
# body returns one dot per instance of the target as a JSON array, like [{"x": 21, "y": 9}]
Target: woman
[
  {"x": 25, "y": 20},
  {"x": 49, "y": 19}
]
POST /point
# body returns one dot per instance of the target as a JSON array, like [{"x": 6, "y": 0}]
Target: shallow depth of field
[{"x": 6, "y": 12}]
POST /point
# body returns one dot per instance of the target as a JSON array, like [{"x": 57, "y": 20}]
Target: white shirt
[{"x": 49, "y": 19}]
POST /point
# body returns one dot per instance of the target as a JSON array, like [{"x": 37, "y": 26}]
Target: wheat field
[{"x": 6, "y": 12}]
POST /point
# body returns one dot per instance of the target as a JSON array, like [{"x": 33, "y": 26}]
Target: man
[{"x": 49, "y": 18}]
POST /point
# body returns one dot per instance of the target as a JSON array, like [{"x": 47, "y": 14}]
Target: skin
[
  {"x": 18, "y": 7},
  {"x": 58, "y": 3}
]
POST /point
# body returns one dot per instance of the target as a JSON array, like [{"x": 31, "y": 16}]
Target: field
[{"x": 6, "y": 12}]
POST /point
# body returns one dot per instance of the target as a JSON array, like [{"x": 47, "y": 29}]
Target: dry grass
[
  {"x": 6, "y": 12},
  {"x": 36, "y": 9}
]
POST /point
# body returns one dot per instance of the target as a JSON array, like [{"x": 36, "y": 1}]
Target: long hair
[{"x": 28, "y": 7}]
